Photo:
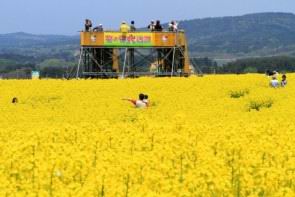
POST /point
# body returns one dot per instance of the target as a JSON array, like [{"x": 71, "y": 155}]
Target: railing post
[
  {"x": 80, "y": 59},
  {"x": 124, "y": 65}
]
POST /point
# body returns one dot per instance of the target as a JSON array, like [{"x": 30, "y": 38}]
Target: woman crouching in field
[{"x": 141, "y": 102}]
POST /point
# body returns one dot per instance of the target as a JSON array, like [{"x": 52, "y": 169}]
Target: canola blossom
[{"x": 223, "y": 135}]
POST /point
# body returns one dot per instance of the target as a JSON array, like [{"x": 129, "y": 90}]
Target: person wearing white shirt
[
  {"x": 274, "y": 82},
  {"x": 139, "y": 103}
]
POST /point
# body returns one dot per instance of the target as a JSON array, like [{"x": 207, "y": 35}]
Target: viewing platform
[
  {"x": 108, "y": 54},
  {"x": 133, "y": 39}
]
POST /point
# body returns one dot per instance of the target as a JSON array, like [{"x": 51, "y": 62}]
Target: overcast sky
[{"x": 67, "y": 16}]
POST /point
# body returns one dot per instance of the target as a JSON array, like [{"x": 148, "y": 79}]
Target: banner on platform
[{"x": 128, "y": 39}]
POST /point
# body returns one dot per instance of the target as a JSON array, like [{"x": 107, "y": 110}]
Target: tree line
[
  {"x": 58, "y": 68},
  {"x": 249, "y": 65},
  {"x": 17, "y": 66}
]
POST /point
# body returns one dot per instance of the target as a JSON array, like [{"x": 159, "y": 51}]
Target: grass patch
[
  {"x": 238, "y": 93},
  {"x": 258, "y": 105}
]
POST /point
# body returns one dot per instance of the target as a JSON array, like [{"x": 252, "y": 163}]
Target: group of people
[
  {"x": 274, "y": 82},
  {"x": 154, "y": 26},
  {"x": 141, "y": 102},
  {"x": 88, "y": 26},
  {"x": 157, "y": 27}
]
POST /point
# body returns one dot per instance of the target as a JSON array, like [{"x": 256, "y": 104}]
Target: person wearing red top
[{"x": 141, "y": 102}]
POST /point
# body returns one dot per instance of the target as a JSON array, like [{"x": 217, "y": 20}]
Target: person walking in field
[
  {"x": 141, "y": 102},
  {"x": 284, "y": 80},
  {"x": 274, "y": 83}
]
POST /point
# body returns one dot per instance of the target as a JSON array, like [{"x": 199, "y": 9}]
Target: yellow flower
[{"x": 223, "y": 135}]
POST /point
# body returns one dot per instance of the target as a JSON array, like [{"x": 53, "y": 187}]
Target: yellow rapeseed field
[{"x": 227, "y": 135}]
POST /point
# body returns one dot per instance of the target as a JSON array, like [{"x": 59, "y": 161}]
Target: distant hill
[
  {"x": 263, "y": 34},
  {"x": 22, "y": 39},
  {"x": 39, "y": 47}
]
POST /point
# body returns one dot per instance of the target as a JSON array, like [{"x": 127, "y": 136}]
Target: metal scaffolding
[{"x": 98, "y": 61}]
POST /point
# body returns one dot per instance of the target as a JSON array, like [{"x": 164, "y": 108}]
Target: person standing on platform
[
  {"x": 132, "y": 26},
  {"x": 170, "y": 27},
  {"x": 124, "y": 28},
  {"x": 158, "y": 26},
  {"x": 88, "y": 25},
  {"x": 151, "y": 26},
  {"x": 175, "y": 26}
]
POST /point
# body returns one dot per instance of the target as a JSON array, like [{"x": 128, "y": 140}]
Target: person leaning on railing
[{"x": 99, "y": 28}]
